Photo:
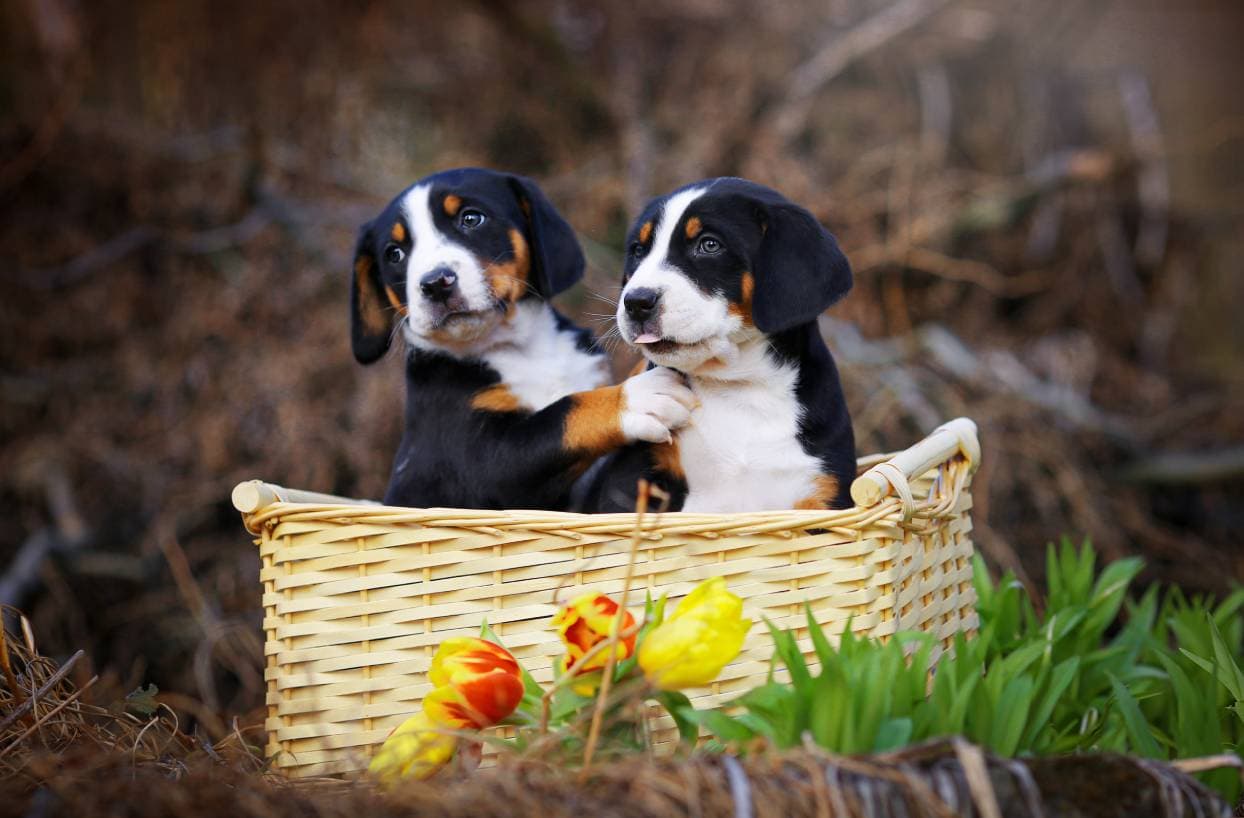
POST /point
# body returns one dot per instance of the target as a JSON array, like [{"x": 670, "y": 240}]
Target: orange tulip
[
  {"x": 586, "y": 622},
  {"x": 478, "y": 684}
]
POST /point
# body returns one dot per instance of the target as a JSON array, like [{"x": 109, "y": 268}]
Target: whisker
[{"x": 613, "y": 302}]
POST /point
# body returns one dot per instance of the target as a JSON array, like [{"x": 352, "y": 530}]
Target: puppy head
[
  {"x": 719, "y": 262},
  {"x": 451, "y": 256}
]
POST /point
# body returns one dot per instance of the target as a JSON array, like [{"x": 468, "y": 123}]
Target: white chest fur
[
  {"x": 539, "y": 363},
  {"x": 741, "y": 450}
]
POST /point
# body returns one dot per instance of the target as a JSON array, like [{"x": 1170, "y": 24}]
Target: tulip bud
[
  {"x": 414, "y": 750},
  {"x": 584, "y": 623},
  {"x": 703, "y": 634},
  {"x": 478, "y": 683}
]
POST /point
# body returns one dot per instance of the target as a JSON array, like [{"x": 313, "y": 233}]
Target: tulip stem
[{"x": 641, "y": 507}]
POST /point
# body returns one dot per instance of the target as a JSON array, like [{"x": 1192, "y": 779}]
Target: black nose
[
  {"x": 439, "y": 284},
  {"x": 641, "y": 303}
]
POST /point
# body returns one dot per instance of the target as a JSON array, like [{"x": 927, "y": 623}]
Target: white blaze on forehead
[
  {"x": 686, "y": 313},
  {"x": 671, "y": 214},
  {"x": 433, "y": 249}
]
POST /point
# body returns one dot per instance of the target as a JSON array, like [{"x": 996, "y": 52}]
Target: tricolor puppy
[
  {"x": 506, "y": 400},
  {"x": 724, "y": 280}
]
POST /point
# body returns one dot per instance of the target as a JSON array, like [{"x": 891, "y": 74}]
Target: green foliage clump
[{"x": 1158, "y": 677}]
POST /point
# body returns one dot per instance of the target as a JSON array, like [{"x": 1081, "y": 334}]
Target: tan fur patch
[
  {"x": 371, "y": 311},
  {"x": 824, "y": 492},
  {"x": 743, "y": 309},
  {"x": 645, "y": 233},
  {"x": 593, "y": 424},
  {"x": 640, "y": 367},
  {"x": 496, "y": 398},
  {"x": 508, "y": 279},
  {"x": 666, "y": 458},
  {"x": 694, "y": 226},
  {"x": 452, "y": 205},
  {"x": 394, "y": 300},
  {"x": 398, "y": 233}
]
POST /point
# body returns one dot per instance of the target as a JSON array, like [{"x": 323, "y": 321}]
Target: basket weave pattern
[{"x": 357, "y": 596}]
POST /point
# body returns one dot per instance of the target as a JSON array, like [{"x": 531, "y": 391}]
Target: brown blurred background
[{"x": 1042, "y": 201}]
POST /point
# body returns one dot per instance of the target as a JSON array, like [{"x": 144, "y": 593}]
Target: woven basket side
[{"x": 357, "y": 598}]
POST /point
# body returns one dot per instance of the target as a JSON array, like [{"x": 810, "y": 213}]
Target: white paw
[{"x": 655, "y": 403}]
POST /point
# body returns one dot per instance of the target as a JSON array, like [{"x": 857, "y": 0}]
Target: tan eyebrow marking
[
  {"x": 398, "y": 233},
  {"x": 645, "y": 232},
  {"x": 452, "y": 204},
  {"x": 694, "y": 226}
]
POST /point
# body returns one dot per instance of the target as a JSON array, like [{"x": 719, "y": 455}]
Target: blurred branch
[
  {"x": 840, "y": 51},
  {"x": 68, "y": 533},
  {"x": 1153, "y": 183},
  {"x": 996, "y": 370},
  {"x": 938, "y": 264},
  {"x": 1187, "y": 468},
  {"x": 271, "y": 209}
]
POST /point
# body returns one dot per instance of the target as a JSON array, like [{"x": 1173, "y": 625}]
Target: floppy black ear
[
  {"x": 371, "y": 320},
  {"x": 557, "y": 259},
  {"x": 800, "y": 272}
]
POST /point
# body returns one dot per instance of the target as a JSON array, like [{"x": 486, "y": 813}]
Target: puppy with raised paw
[
  {"x": 506, "y": 402},
  {"x": 724, "y": 281}
]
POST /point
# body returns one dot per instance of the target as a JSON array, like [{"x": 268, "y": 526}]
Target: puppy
[
  {"x": 506, "y": 402},
  {"x": 723, "y": 281}
]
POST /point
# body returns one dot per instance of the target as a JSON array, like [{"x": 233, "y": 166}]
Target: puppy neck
[{"x": 745, "y": 359}]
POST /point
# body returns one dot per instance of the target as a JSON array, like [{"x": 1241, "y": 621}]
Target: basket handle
[
  {"x": 252, "y": 495},
  {"x": 953, "y": 438}
]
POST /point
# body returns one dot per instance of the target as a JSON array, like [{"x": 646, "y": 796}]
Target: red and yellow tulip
[
  {"x": 582, "y": 624},
  {"x": 477, "y": 684},
  {"x": 703, "y": 634},
  {"x": 416, "y": 749}
]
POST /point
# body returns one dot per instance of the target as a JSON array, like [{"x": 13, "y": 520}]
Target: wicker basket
[{"x": 357, "y": 596}]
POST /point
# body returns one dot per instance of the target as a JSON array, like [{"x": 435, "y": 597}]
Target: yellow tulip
[
  {"x": 416, "y": 749},
  {"x": 703, "y": 634}
]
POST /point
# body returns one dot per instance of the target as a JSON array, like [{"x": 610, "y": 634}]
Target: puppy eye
[
  {"x": 394, "y": 254},
  {"x": 709, "y": 245},
  {"x": 636, "y": 249},
  {"x": 470, "y": 219}
]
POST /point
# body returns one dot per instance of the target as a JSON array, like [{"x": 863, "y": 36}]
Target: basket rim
[{"x": 881, "y": 491}]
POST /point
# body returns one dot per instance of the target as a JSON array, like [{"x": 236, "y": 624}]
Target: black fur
[
  {"x": 798, "y": 272},
  {"x": 452, "y": 454}
]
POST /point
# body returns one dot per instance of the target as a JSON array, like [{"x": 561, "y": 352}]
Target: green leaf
[
  {"x": 824, "y": 651},
  {"x": 1059, "y": 680},
  {"x": 1228, "y": 671},
  {"x": 893, "y": 734},
  {"x": 683, "y": 713},
  {"x": 1140, "y": 735},
  {"x": 724, "y": 727},
  {"x": 792, "y": 658},
  {"x": 141, "y": 701},
  {"x": 1011, "y": 715}
]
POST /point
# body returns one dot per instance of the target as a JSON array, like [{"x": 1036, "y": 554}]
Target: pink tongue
[{"x": 647, "y": 338}]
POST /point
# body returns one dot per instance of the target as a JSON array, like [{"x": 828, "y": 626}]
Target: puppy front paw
[{"x": 655, "y": 404}]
